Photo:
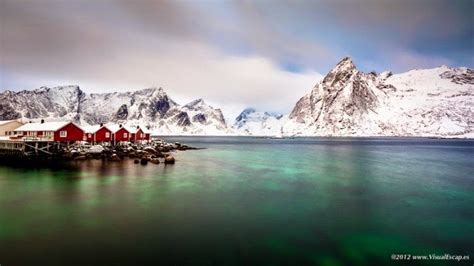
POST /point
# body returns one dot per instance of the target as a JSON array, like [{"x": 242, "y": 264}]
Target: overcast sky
[{"x": 234, "y": 54}]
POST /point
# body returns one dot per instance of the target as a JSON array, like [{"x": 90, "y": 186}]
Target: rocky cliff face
[{"x": 348, "y": 102}]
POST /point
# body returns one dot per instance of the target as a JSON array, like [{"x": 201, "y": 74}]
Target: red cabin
[
  {"x": 119, "y": 133},
  {"x": 136, "y": 134},
  {"x": 146, "y": 135},
  {"x": 57, "y": 131},
  {"x": 98, "y": 133}
]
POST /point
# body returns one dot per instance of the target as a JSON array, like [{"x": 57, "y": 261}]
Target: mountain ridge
[{"x": 346, "y": 102}]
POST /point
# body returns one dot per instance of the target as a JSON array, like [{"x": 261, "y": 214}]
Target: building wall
[
  {"x": 147, "y": 136},
  {"x": 89, "y": 137},
  {"x": 74, "y": 133},
  {"x": 100, "y": 135},
  {"x": 119, "y": 135},
  {"x": 11, "y": 126},
  {"x": 140, "y": 135}
]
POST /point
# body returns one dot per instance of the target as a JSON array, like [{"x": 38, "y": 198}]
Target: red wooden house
[
  {"x": 57, "y": 131},
  {"x": 98, "y": 133},
  {"x": 119, "y": 133},
  {"x": 147, "y": 134},
  {"x": 136, "y": 134}
]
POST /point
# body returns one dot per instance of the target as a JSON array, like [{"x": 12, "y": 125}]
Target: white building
[{"x": 6, "y": 127}]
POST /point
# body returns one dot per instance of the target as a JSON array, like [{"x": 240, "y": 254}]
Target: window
[
  {"x": 89, "y": 135},
  {"x": 107, "y": 134},
  {"x": 125, "y": 135},
  {"x": 63, "y": 133}
]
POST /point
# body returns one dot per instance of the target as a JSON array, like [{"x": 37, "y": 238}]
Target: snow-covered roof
[
  {"x": 46, "y": 126},
  {"x": 8, "y": 121},
  {"x": 131, "y": 129},
  {"x": 91, "y": 129},
  {"x": 114, "y": 128}
]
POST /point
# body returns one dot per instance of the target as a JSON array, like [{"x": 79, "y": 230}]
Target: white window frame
[
  {"x": 125, "y": 134},
  {"x": 63, "y": 134},
  {"x": 107, "y": 134}
]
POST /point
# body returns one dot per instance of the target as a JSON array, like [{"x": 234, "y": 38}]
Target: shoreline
[
  {"x": 321, "y": 137},
  {"x": 154, "y": 151}
]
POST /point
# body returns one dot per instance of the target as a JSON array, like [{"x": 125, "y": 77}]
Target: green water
[{"x": 247, "y": 201}]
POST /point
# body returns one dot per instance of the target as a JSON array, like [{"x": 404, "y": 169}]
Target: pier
[{"x": 26, "y": 147}]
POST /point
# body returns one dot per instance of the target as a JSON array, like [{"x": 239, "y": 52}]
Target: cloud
[
  {"x": 99, "y": 53},
  {"x": 264, "y": 54}
]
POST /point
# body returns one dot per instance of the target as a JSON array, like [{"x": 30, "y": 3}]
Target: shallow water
[{"x": 309, "y": 201}]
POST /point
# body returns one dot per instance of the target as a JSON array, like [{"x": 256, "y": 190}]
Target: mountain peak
[
  {"x": 195, "y": 103},
  {"x": 341, "y": 72},
  {"x": 157, "y": 91},
  {"x": 243, "y": 115},
  {"x": 345, "y": 64},
  {"x": 249, "y": 110}
]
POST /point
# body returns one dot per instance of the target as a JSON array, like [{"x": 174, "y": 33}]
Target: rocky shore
[{"x": 155, "y": 151}]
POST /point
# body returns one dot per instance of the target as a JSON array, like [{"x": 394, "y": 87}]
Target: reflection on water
[{"x": 246, "y": 201}]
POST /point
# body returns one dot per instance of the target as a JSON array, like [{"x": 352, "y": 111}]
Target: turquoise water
[{"x": 242, "y": 201}]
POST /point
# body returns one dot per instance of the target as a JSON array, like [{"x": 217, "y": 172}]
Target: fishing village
[{"x": 66, "y": 141}]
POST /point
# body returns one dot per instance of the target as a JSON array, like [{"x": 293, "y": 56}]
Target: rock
[
  {"x": 169, "y": 159},
  {"x": 155, "y": 161},
  {"x": 96, "y": 149},
  {"x": 143, "y": 161},
  {"x": 150, "y": 149},
  {"x": 136, "y": 161},
  {"x": 80, "y": 158},
  {"x": 183, "y": 147},
  {"x": 115, "y": 157}
]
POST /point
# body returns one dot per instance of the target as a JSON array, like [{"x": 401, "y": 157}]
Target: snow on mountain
[
  {"x": 151, "y": 108},
  {"x": 251, "y": 122},
  {"x": 348, "y": 102},
  {"x": 431, "y": 102},
  {"x": 206, "y": 119}
]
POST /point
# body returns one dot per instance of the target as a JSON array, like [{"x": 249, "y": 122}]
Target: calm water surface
[{"x": 242, "y": 201}]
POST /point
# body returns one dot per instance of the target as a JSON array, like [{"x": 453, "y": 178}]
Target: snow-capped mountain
[
  {"x": 251, "y": 122},
  {"x": 150, "y": 107},
  {"x": 348, "y": 102},
  {"x": 205, "y": 118}
]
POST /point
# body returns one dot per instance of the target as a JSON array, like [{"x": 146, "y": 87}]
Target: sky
[{"x": 234, "y": 54}]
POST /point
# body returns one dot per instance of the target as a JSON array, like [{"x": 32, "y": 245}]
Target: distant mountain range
[{"x": 347, "y": 102}]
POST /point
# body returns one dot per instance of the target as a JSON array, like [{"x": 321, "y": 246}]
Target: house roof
[
  {"x": 8, "y": 121},
  {"x": 46, "y": 126},
  {"x": 91, "y": 129},
  {"x": 94, "y": 128},
  {"x": 133, "y": 129},
  {"x": 115, "y": 128}
]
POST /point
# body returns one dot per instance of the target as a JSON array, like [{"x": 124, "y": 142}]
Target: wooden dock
[{"x": 19, "y": 147}]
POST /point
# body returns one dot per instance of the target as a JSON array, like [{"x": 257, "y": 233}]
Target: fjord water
[{"x": 241, "y": 201}]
